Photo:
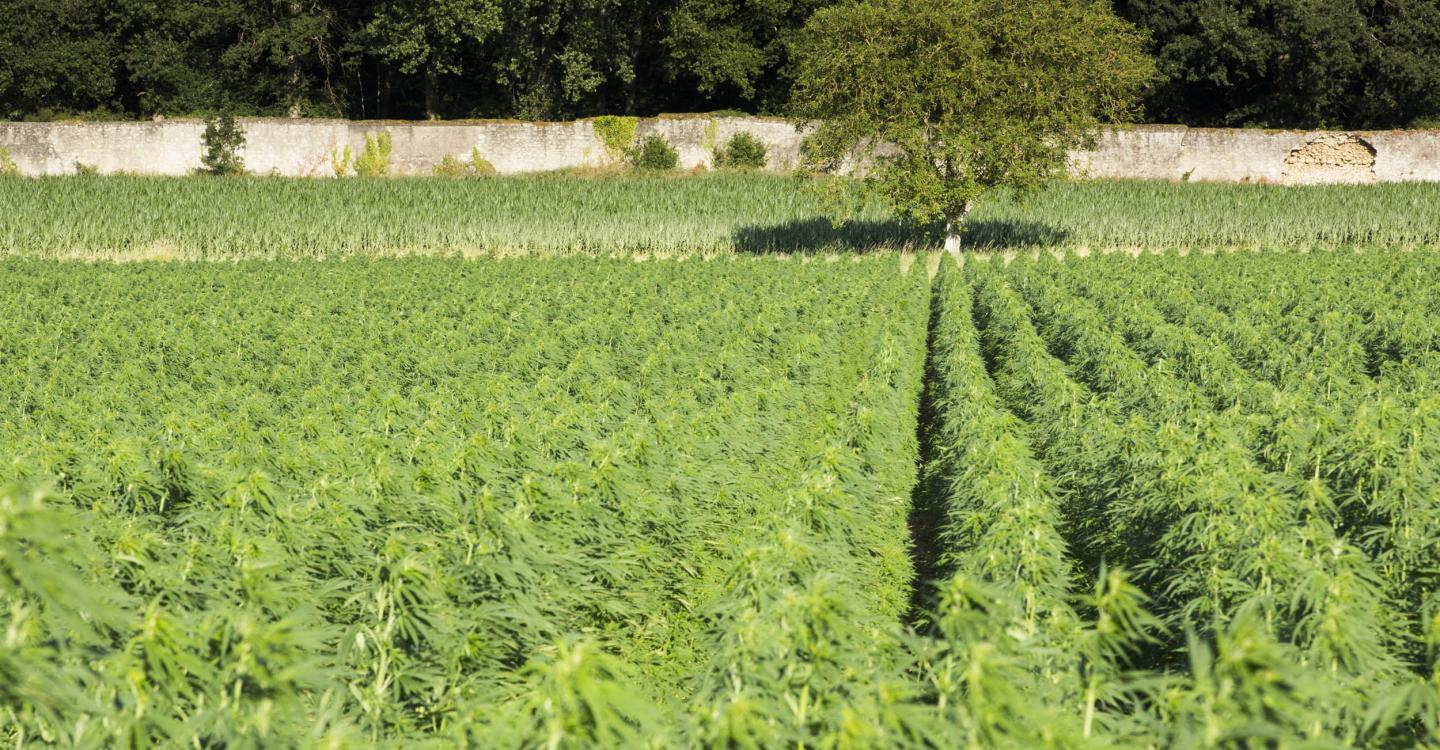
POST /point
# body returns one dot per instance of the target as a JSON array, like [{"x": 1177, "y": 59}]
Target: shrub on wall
[
  {"x": 222, "y": 141},
  {"x": 654, "y": 154},
  {"x": 374, "y": 161},
  {"x": 7, "y": 165},
  {"x": 742, "y": 151},
  {"x": 616, "y": 133}
]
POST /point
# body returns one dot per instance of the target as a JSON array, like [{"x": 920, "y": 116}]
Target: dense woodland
[{"x": 1275, "y": 63}]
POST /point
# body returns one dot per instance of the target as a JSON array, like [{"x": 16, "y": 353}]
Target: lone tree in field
[{"x": 942, "y": 100}]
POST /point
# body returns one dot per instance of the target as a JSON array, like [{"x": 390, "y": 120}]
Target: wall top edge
[
  {"x": 382, "y": 122},
  {"x": 336, "y": 122},
  {"x": 1163, "y": 128}
]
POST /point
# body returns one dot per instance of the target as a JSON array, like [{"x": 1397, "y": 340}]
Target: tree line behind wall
[{"x": 1276, "y": 63}]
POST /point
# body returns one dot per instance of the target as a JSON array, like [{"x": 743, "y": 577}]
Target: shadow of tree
[
  {"x": 820, "y": 235},
  {"x": 1012, "y": 234}
]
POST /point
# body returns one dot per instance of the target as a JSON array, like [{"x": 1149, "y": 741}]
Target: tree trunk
[
  {"x": 385, "y": 94},
  {"x": 952, "y": 237},
  {"x": 293, "y": 62},
  {"x": 632, "y": 92},
  {"x": 954, "y": 225},
  {"x": 295, "y": 108},
  {"x": 431, "y": 91}
]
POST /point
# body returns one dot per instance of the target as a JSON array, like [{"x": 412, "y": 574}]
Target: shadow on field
[
  {"x": 820, "y": 235},
  {"x": 1009, "y": 234}
]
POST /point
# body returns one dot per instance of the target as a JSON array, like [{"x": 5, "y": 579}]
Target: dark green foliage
[
  {"x": 1274, "y": 62},
  {"x": 1293, "y": 63},
  {"x": 744, "y": 48},
  {"x": 742, "y": 151},
  {"x": 222, "y": 140},
  {"x": 654, "y": 154},
  {"x": 531, "y": 59},
  {"x": 55, "y": 55},
  {"x": 428, "y": 40}
]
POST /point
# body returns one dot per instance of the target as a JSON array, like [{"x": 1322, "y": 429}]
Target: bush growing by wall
[
  {"x": 7, "y": 165},
  {"x": 374, "y": 161},
  {"x": 340, "y": 161},
  {"x": 222, "y": 141},
  {"x": 452, "y": 166},
  {"x": 480, "y": 164},
  {"x": 742, "y": 151},
  {"x": 654, "y": 154}
]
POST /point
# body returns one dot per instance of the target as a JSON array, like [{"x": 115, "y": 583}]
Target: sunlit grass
[{"x": 167, "y": 218}]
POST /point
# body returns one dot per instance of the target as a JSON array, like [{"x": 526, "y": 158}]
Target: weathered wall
[
  {"x": 304, "y": 148},
  {"x": 1276, "y": 156}
]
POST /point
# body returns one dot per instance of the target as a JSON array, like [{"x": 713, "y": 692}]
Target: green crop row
[
  {"x": 1253, "y": 437},
  {"x": 601, "y": 502},
  {"x": 1166, "y": 501},
  {"x": 253, "y": 218}
]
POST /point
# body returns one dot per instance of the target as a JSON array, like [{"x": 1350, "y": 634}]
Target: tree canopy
[
  {"x": 938, "y": 101},
  {"x": 548, "y": 59},
  {"x": 1350, "y": 63},
  {"x": 1293, "y": 63}
]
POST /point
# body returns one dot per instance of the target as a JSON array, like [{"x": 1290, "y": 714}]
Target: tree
[
  {"x": 185, "y": 57},
  {"x": 740, "y": 46},
  {"x": 54, "y": 55},
  {"x": 430, "y": 37},
  {"x": 283, "y": 58},
  {"x": 567, "y": 58},
  {"x": 1403, "y": 85},
  {"x": 221, "y": 142},
  {"x": 942, "y": 100},
  {"x": 1293, "y": 63}
]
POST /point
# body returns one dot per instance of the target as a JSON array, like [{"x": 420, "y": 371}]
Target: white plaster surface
[{"x": 303, "y": 148}]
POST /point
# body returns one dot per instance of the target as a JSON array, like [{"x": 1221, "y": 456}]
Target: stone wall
[
  {"x": 1267, "y": 156},
  {"x": 303, "y": 148}
]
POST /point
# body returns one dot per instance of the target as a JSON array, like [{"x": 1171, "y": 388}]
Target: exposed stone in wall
[
  {"x": 1331, "y": 158},
  {"x": 302, "y": 148}
]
